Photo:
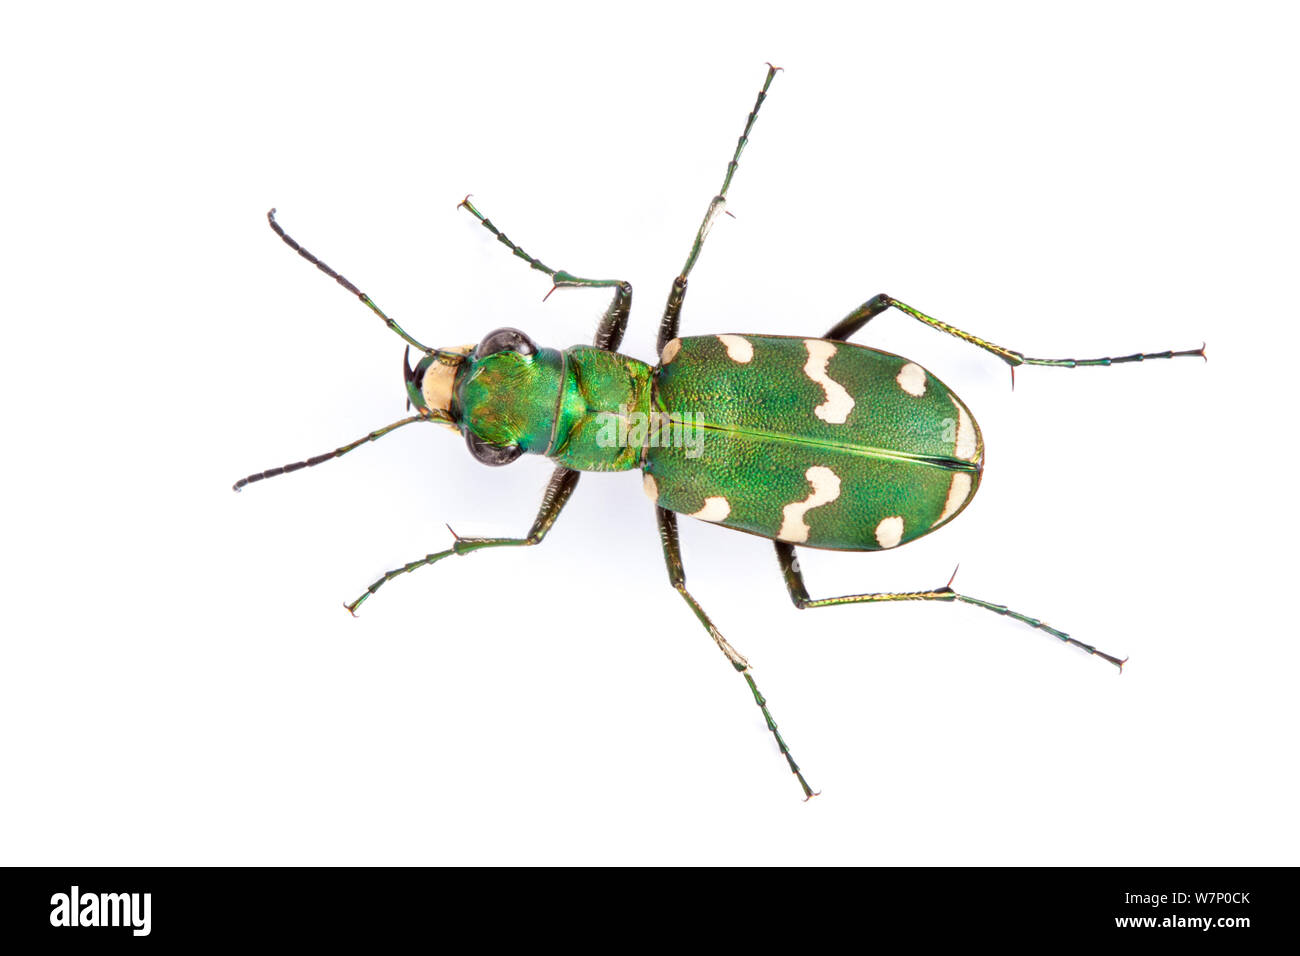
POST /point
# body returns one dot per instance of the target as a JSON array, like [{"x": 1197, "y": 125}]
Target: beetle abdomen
[{"x": 819, "y": 443}]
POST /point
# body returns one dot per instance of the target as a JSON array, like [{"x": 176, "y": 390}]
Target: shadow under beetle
[{"x": 806, "y": 441}]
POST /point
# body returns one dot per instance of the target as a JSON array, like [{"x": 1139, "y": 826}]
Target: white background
[{"x": 178, "y": 681}]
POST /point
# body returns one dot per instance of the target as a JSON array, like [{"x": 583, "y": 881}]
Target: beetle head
[{"x": 500, "y": 393}]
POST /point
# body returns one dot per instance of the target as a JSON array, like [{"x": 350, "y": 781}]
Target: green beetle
[{"x": 813, "y": 442}]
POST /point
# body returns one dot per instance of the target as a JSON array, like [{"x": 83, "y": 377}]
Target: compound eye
[
  {"x": 503, "y": 340},
  {"x": 490, "y": 454}
]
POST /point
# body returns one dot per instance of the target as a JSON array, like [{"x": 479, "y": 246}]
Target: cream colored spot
[
  {"x": 650, "y": 487},
  {"x": 715, "y": 509},
  {"x": 958, "y": 492},
  {"x": 440, "y": 379},
  {"x": 911, "y": 379},
  {"x": 835, "y": 410},
  {"x": 825, "y": 489},
  {"x": 738, "y": 349},
  {"x": 670, "y": 351},
  {"x": 890, "y": 531},
  {"x": 966, "y": 435}
]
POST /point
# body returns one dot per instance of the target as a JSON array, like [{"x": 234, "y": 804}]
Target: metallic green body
[
  {"x": 510, "y": 399},
  {"x": 564, "y": 405},
  {"x": 599, "y": 388},
  {"x": 747, "y": 432},
  {"x": 893, "y": 456}
]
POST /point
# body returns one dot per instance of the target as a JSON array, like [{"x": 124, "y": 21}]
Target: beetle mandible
[{"x": 809, "y": 442}]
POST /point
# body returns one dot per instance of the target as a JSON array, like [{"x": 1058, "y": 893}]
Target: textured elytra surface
[{"x": 820, "y": 443}]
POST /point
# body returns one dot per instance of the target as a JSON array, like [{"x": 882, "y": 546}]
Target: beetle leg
[
  {"x": 799, "y": 595},
  {"x": 677, "y": 575},
  {"x": 614, "y": 322},
  {"x": 558, "y": 490},
  {"x": 864, "y": 313},
  {"x": 717, "y": 206},
  {"x": 672, "y": 314}
]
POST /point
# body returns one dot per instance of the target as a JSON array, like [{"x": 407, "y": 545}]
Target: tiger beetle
[{"x": 809, "y": 442}]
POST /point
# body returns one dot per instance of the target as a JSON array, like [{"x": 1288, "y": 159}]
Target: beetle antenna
[
  {"x": 337, "y": 452},
  {"x": 341, "y": 280}
]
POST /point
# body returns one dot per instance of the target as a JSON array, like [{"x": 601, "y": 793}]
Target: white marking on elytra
[
  {"x": 835, "y": 410},
  {"x": 911, "y": 379},
  {"x": 716, "y": 508},
  {"x": 964, "y": 447},
  {"x": 890, "y": 531},
  {"x": 671, "y": 348},
  {"x": 958, "y": 492},
  {"x": 739, "y": 349},
  {"x": 650, "y": 487},
  {"x": 825, "y": 489}
]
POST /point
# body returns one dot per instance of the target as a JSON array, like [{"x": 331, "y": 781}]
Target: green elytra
[{"x": 806, "y": 441}]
